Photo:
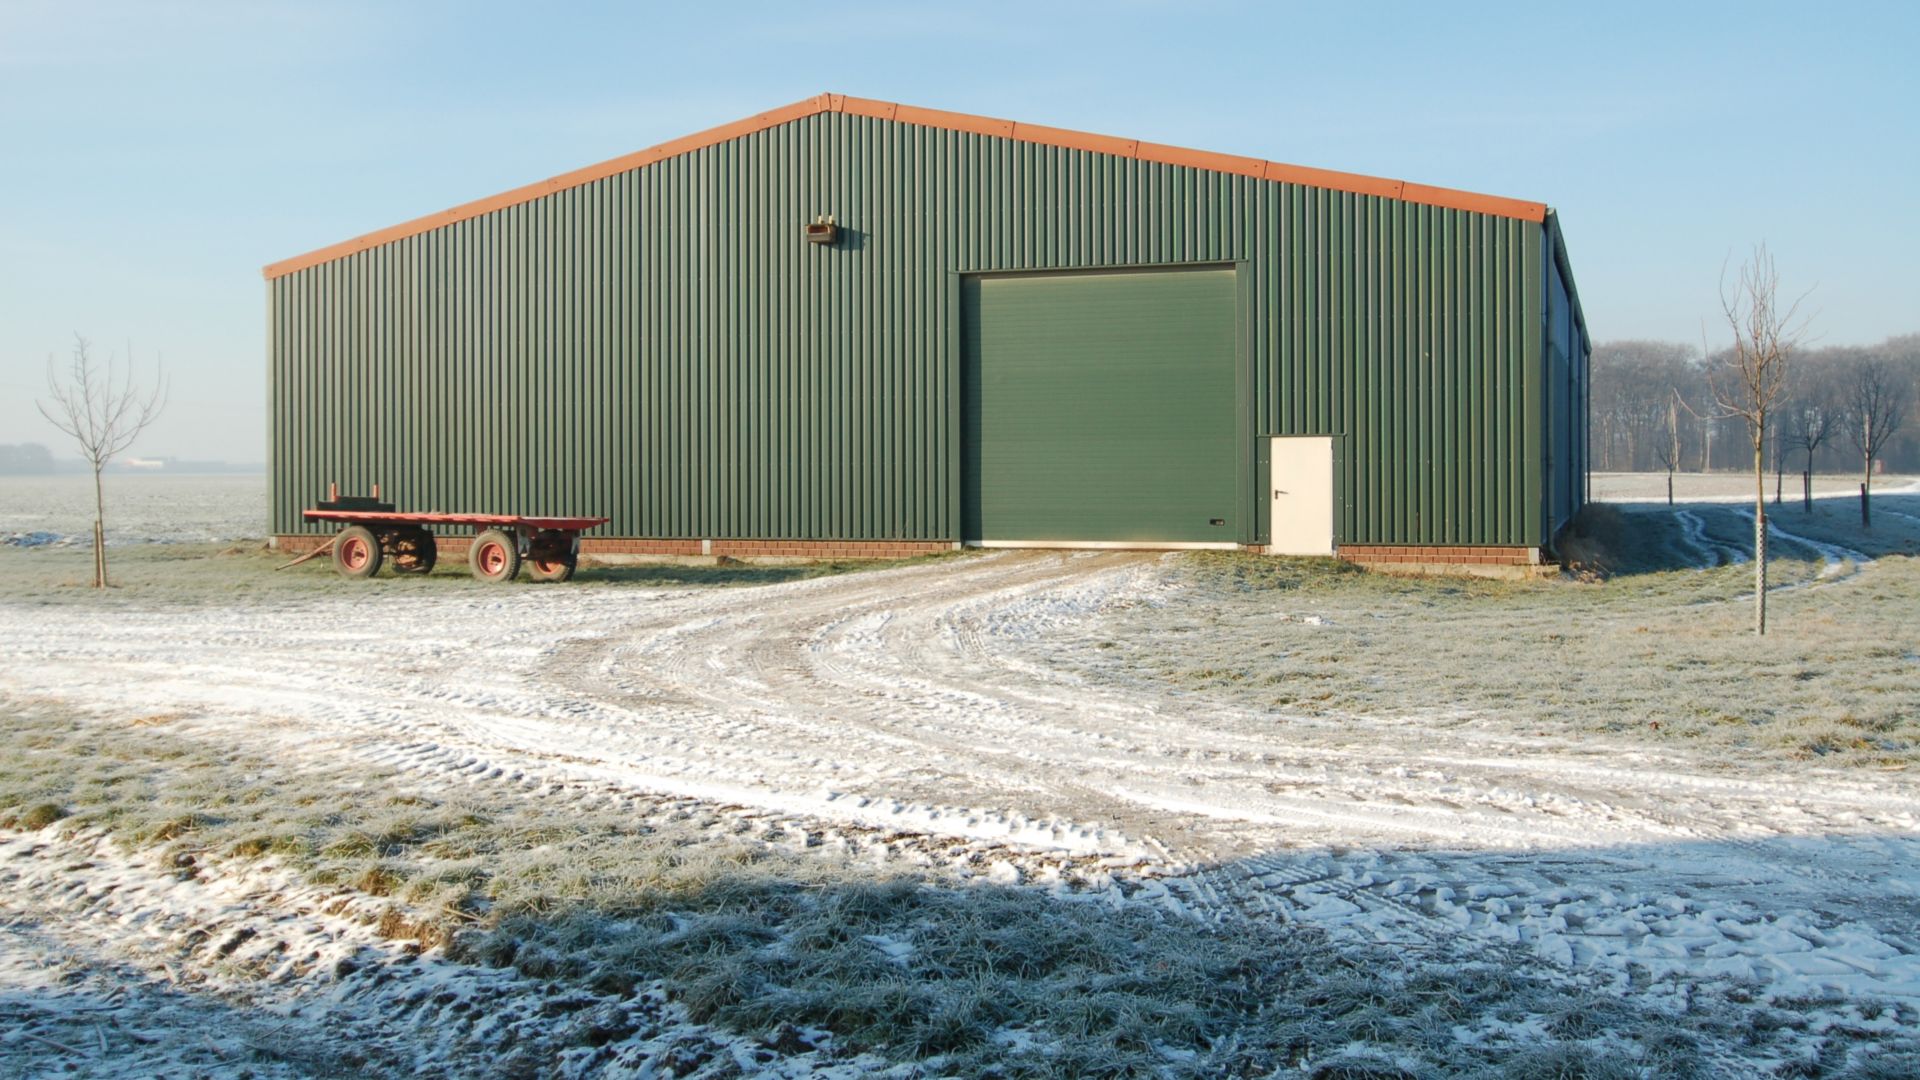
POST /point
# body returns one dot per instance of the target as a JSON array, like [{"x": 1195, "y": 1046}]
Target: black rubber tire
[
  {"x": 494, "y": 556},
  {"x": 356, "y": 552},
  {"x": 551, "y": 557},
  {"x": 415, "y": 552}
]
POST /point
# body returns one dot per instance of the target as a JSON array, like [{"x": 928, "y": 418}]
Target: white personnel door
[{"x": 1302, "y": 483}]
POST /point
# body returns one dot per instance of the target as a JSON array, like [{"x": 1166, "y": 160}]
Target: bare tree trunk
[
  {"x": 1673, "y": 439},
  {"x": 1877, "y": 404},
  {"x": 99, "y": 532},
  {"x": 1759, "y": 537},
  {"x": 1779, "y": 465},
  {"x": 1866, "y": 491}
]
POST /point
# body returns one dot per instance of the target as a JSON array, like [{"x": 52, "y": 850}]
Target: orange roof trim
[{"x": 936, "y": 118}]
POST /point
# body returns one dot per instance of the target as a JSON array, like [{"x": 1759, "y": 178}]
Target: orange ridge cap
[
  {"x": 1075, "y": 140},
  {"x": 1202, "y": 159},
  {"x": 1356, "y": 183},
  {"x": 954, "y": 121}
]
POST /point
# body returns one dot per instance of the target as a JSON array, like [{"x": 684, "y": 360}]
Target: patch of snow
[
  {"x": 921, "y": 702},
  {"x": 1745, "y": 495},
  {"x": 1712, "y": 552},
  {"x": 897, "y": 951},
  {"x": 57, "y": 511},
  {"x": 122, "y": 965},
  {"x": 1834, "y": 557},
  {"x": 42, "y": 539}
]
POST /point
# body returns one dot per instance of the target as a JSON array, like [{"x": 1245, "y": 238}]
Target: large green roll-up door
[{"x": 1100, "y": 407}]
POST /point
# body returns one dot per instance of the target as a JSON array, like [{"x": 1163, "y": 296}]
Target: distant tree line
[{"x": 1653, "y": 410}]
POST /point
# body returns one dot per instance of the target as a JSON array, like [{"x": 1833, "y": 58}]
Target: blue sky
[{"x": 154, "y": 155}]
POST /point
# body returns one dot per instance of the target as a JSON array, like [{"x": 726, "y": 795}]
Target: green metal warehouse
[{"x": 848, "y": 326}]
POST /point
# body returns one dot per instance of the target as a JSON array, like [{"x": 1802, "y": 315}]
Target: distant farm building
[{"x": 853, "y": 327}]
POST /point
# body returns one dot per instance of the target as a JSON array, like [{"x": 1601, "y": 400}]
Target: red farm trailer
[{"x": 549, "y": 547}]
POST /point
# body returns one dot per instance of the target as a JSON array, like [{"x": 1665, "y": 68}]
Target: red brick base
[
  {"x": 455, "y": 547},
  {"x": 616, "y": 545},
  {"x": 831, "y": 549},
  {"x": 1377, "y": 555},
  {"x": 1439, "y": 555},
  {"x": 299, "y": 545}
]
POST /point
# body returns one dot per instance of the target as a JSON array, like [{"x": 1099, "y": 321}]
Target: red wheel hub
[
  {"x": 354, "y": 553},
  {"x": 493, "y": 558}
]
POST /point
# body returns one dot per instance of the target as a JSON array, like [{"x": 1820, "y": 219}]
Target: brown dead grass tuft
[{"x": 39, "y": 816}]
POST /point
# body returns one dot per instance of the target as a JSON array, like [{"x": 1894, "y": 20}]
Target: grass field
[
  {"x": 1659, "y": 649},
  {"x": 203, "y": 574},
  {"x": 1688, "y": 486},
  {"x": 822, "y": 953},
  {"x": 1191, "y": 815},
  {"x": 140, "y": 509}
]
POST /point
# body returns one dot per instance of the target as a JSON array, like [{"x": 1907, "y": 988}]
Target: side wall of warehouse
[
  {"x": 661, "y": 347},
  {"x": 1567, "y": 353}
]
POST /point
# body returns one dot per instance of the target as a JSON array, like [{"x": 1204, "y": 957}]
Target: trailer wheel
[
  {"x": 356, "y": 552},
  {"x": 551, "y": 556},
  {"x": 494, "y": 556},
  {"x": 415, "y": 551}
]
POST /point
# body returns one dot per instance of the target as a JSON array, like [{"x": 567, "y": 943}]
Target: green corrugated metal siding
[
  {"x": 661, "y": 347},
  {"x": 1567, "y": 352},
  {"x": 1101, "y": 407}
]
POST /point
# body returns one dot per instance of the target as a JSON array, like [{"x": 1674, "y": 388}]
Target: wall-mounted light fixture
[{"x": 822, "y": 230}]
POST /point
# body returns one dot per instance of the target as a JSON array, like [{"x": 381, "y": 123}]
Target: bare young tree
[
  {"x": 1667, "y": 449},
  {"x": 1811, "y": 422},
  {"x": 1749, "y": 378},
  {"x": 104, "y": 410},
  {"x": 1876, "y": 407}
]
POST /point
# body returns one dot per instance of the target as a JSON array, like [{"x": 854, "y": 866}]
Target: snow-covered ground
[
  {"x": 1735, "y": 486},
  {"x": 129, "y": 965},
  {"x": 140, "y": 509},
  {"x": 921, "y": 700},
  {"x": 938, "y": 701}
]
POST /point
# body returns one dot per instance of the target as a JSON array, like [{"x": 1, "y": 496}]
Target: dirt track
[{"x": 928, "y": 700}]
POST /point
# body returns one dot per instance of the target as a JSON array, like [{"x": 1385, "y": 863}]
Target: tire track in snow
[
  {"x": 918, "y": 710},
  {"x": 1712, "y": 552},
  {"x": 1835, "y": 558}
]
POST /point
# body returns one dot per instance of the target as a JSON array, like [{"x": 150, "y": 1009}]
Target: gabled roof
[{"x": 935, "y": 118}]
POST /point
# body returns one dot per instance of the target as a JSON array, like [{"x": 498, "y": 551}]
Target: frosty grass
[{"x": 1319, "y": 823}]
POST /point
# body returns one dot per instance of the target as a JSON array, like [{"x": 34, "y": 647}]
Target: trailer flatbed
[
  {"x": 435, "y": 517},
  {"x": 373, "y": 532}
]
